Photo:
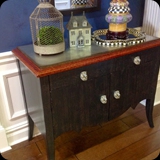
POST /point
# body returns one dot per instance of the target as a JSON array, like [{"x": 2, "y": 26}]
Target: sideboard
[{"x": 86, "y": 86}]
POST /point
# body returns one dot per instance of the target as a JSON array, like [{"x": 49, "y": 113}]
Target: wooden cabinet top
[{"x": 74, "y": 58}]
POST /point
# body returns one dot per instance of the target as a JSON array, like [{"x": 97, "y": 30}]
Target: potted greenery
[
  {"x": 50, "y": 35},
  {"x": 49, "y": 41}
]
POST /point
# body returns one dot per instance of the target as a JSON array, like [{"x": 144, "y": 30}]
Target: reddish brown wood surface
[{"x": 41, "y": 72}]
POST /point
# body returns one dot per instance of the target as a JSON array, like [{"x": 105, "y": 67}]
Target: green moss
[{"x": 50, "y": 35}]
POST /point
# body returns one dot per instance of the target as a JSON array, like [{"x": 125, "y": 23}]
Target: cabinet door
[
  {"x": 121, "y": 92},
  {"x": 134, "y": 79},
  {"x": 96, "y": 100},
  {"x": 77, "y": 103}
]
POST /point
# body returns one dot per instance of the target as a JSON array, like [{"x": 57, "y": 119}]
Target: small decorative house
[{"x": 79, "y": 31}]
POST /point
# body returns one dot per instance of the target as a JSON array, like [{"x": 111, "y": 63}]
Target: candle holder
[{"x": 118, "y": 17}]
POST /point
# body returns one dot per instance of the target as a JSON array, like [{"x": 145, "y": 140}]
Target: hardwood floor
[{"x": 128, "y": 137}]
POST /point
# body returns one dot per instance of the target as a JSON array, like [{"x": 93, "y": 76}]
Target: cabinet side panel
[
  {"x": 33, "y": 98},
  {"x": 147, "y": 74}
]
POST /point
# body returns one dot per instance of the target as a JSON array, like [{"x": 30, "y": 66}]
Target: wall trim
[
  {"x": 12, "y": 114},
  {"x": 4, "y": 146},
  {"x": 19, "y": 133},
  {"x": 7, "y": 57},
  {"x": 157, "y": 97}
]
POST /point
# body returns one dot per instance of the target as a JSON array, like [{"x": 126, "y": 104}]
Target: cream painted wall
[{"x": 14, "y": 124}]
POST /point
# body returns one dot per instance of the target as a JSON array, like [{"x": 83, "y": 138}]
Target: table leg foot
[
  {"x": 31, "y": 128},
  {"x": 149, "y": 111}
]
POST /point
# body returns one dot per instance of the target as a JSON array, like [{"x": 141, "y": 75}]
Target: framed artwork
[{"x": 77, "y": 6}]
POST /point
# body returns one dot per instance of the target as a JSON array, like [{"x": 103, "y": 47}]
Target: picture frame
[{"x": 66, "y": 9}]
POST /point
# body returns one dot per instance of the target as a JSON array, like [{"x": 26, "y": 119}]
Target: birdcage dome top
[{"x": 46, "y": 11}]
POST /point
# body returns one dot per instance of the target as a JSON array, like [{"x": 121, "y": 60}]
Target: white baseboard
[
  {"x": 157, "y": 96},
  {"x": 4, "y": 146},
  {"x": 19, "y": 133}
]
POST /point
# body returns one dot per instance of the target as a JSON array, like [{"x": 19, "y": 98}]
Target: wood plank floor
[{"x": 128, "y": 137}]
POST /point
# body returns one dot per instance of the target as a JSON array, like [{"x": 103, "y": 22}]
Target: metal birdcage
[{"x": 47, "y": 29}]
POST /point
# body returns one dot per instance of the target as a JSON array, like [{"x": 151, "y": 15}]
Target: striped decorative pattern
[
  {"x": 119, "y": 9},
  {"x": 151, "y": 19}
]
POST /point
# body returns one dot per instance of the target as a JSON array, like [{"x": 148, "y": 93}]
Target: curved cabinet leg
[
  {"x": 149, "y": 111},
  {"x": 31, "y": 128}
]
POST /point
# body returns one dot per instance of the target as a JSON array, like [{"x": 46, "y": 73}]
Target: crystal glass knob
[
  {"x": 103, "y": 99},
  {"x": 84, "y": 76},
  {"x": 117, "y": 95},
  {"x": 137, "y": 60}
]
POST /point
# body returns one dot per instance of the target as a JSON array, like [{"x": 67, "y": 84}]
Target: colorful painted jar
[{"x": 118, "y": 17}]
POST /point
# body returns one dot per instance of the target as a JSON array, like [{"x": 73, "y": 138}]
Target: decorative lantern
[
  {"x": 47, "y": 29},
  {"x": 118, "y": 18}
]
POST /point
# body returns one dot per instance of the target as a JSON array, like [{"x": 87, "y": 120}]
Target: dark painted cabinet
[{"x": 64, "y": 92}]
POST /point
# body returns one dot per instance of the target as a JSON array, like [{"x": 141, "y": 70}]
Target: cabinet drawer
[
  {"x": 133, "y": 60},
  {"x": 76, "y": 75},
  {"x": 102, "y": 68}
]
